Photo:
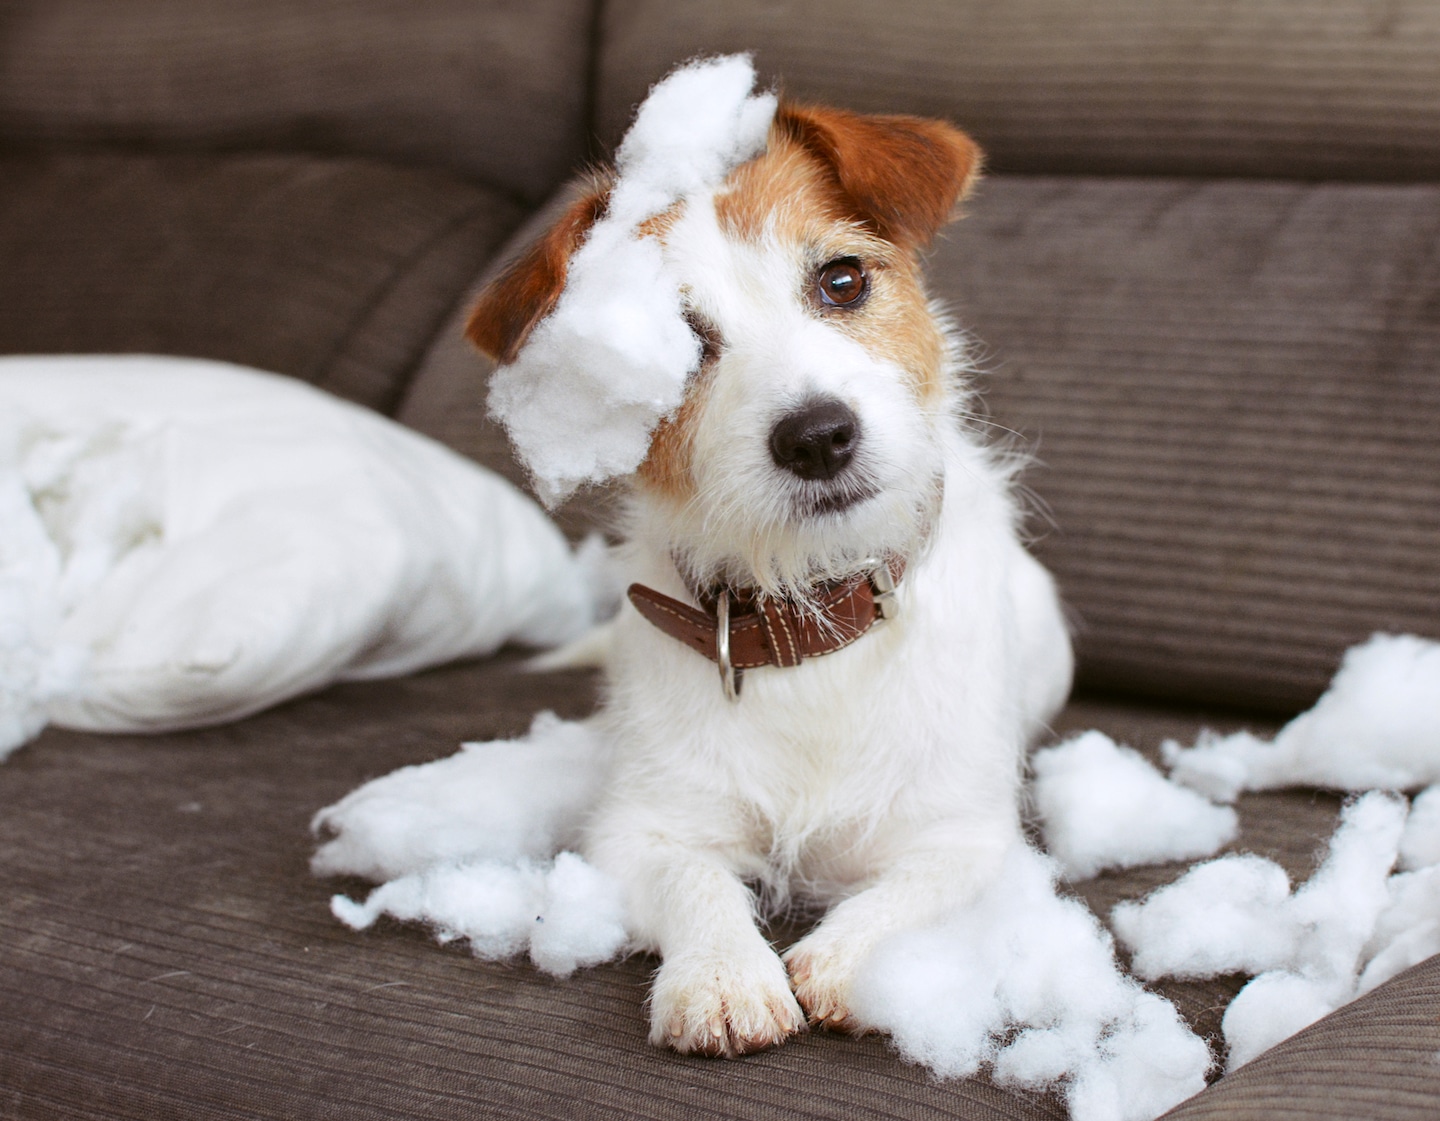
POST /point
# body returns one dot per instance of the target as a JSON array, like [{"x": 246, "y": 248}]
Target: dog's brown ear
[
  {"x": 527, "y": 291},
  {"x": 901, "y": 175}
]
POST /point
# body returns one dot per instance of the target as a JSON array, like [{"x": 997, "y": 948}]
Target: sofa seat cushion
[
  {"x": 164, "y": 952},
  {"x": 337, "y": 271}
]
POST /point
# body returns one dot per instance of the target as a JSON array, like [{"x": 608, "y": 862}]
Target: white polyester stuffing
[
  {"x": 599, "y": 373},
  {"x": 1104, "y": 806},
  {"x": 1026, "y": 982},
  {"x": 1408, "y": 930},
  {"x": 184, "y": 542},
  {"x": 506, "y": 800},
  {"x": 465, "y": 846},
  {"x": 1237, "y": 915},
  {"x": 1376, "y": 727},
  {"x": 1217, "y": 918},
  {"x": 1420, "y": 843},
  {"x": 563, "y": 912}
]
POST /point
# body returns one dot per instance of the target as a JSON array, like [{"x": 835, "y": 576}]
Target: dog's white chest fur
[{"x": 821, "y": 773}]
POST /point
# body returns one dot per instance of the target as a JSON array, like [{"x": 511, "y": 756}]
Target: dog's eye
[{"x": 841, "y": 282}]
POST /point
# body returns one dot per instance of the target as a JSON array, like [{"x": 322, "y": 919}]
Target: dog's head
[{"x": 811, "y": 436}]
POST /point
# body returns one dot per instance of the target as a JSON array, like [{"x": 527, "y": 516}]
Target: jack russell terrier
[{"x": 835, "y": 647}]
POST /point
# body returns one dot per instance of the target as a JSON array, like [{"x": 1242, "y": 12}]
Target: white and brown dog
[{"x": 819, "y": 520}]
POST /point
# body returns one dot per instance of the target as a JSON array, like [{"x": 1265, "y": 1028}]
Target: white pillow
[{"x": 184, "y": 542}]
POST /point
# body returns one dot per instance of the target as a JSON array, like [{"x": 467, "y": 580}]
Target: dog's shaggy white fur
[{"x": 882, "y": 780}]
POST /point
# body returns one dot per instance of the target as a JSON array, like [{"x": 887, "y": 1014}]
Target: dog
[{"x": 836, "y": 645}]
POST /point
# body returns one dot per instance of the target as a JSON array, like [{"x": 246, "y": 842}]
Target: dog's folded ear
[
  {"x": 529, "y": 288},
  {"x": 900, "y": 175}
]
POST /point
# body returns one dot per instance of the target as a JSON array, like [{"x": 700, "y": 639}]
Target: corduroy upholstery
[
  {"x": 1299, "y": 89},
  {"x": 337, "y": 271},
  {"x": 1234, "y": 392},
  {"x": 167, "y": 955},
  {"x": 495, "y": 92}
]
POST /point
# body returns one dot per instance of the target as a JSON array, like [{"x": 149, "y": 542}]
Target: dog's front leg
[
  {"x": 720, "y": 989},
  {"x": 919, "y": 887}
]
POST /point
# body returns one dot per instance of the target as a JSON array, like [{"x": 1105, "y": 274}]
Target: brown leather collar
[{"x": 766, "y": 632}]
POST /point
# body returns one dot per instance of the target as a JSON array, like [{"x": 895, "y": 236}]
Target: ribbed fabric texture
[
  {"x": 495, "y": 91},
  {"x": 1233, "y": 392},
  {"x": 338, "y": 271},
  {"x": 1301, "y": 88},
  {"x": 165, "y": 956},
  {"x": 1371, "y": 1059}
]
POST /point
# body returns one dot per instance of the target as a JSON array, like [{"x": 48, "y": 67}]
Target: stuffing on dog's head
[{"x": 808, "y": 434}]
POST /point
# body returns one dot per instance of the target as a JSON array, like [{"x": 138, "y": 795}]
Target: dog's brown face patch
[
  {"x": 794, "y": 196},
  {"x": 667, "y": 466},
  {"x": 831, "y": 186},
  {"x": 854, "y": 198}
]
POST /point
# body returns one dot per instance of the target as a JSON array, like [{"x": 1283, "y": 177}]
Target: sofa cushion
[
  {"x": 1233, "y": 390},
  {"x": 337, "y": 271},
  {"x": 495, "y": 91},
  {"x": 1305, "y": 88},
  {"x": 1367, "y": 1059},
  {"x": 164, "y": 952}
]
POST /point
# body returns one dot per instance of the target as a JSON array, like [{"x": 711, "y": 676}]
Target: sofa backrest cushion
[
  {"x": 1295, "y": 88},
  {"x": 1233, "y": 392},
  {"x": 494, "y": 90},
  {"x": 337, "y": 271}
]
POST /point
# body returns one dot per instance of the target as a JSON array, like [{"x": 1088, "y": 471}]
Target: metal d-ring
[
  {"x": 729, "y": 679},
  {"x": 882, "y": 582}
]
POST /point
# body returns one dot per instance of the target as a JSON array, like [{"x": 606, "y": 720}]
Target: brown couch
[{"x": 1205, "y": 273}]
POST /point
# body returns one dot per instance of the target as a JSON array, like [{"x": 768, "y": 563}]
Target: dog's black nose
[{"x": 817, "y": 440}]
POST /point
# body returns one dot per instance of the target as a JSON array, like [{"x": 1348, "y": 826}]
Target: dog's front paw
[
  {"x": 822, "y": 971},
  {"x": 709, "y": 1004}
]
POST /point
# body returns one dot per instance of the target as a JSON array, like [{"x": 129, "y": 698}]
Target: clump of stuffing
[
  {"x": 1025, "y": 982},
  {"x": 1407, "y": 931},
  {"x": 599, "y": 373},
  {"x": 507, "y": 800},
  {"x": 1104, "y": 806},
  {"x": 1237, "y": 915},
  {"x": 185, "y": 542},
  {"x": 1420, "y": 843},
  {"x": 1376, "y": 727},
  {"x": 467, "y": 845},
  {"x": 563, "y": 912},
  {"x": 1217, "y": 918}
]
